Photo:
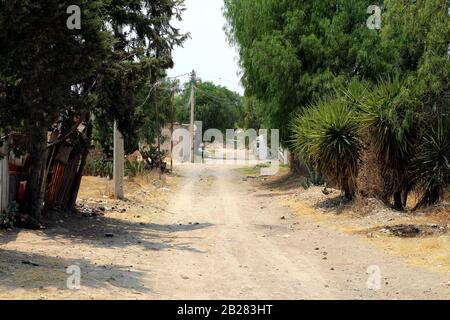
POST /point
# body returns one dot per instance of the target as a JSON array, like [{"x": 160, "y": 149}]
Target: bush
[
  {"x": 99, "y": 167},
  {"x": 8, "y": 216},
  {"x": 135, "y": 168},
  {"x": 431, "y": 167},
  {"x": 326, "y": 135},
  {"x": 389, "y": 116}
]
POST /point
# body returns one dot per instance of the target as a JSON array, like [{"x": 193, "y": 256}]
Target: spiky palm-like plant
[
  {"x": 326, "y": 135},
  {"x": 431, "y": 167},
  {"x": 388, "y": 112}
]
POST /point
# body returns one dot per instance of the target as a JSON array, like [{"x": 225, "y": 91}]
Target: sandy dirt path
[{"x": 220, "y": 237}]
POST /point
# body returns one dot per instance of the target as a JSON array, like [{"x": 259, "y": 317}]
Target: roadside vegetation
[{"x": 367, "y": 109}]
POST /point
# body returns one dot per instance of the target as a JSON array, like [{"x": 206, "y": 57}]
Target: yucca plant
[
  {"x": 389, "y": 114},
  {"x": 326, "y": 135},
  {"x": 431, "y": 167}
]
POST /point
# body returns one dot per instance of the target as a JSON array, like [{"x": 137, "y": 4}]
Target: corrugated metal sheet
[{"x": 63, "y": 170}]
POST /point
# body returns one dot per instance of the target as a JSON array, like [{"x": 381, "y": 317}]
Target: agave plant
[
  {"x": 311, "y": 178},
  {"x": 431, "y": 167},
  {"x": 388, "y": 112},
  {"x": 326, "y": 135}
]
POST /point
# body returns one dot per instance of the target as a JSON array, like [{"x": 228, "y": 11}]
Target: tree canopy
[
  {"x": 216, "y": 106},
  {"x": 48, "y": 70},
  {"x": 318, "y": 63},
  {"x": 300, "y": 51}
]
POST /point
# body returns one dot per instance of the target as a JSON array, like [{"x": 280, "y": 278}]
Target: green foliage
[
  {"x": 99, "y": 167},
  {"x": 303, "y": 51},
  {"x": 218, "y": 107},
  {"x": 431, "y": 167},
  {"x": 389, "y": 113},
  {"x": 326, "y": 135},
  {"x": 252, "y": 116},
  {"x": 299, "y": 51},
  {"x": 312, "y": 178},
  {"x": 153, "y": 157},
  {"x": 47, "y": 69},
  {"x": 8, "y": 216},
  {"x": 135, "y": 168},
  {"x": 41, "y": 60},
  {"x": 155, "y": 110},
  {"x": 141, "y": 53}
]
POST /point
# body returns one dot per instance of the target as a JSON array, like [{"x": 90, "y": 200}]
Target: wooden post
[
  {"x": 171, "y": 130},
  {"x": 119, "y": 157},
  {"x": 158, "y": 128}
]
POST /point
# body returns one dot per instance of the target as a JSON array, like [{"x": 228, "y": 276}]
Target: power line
[
  {"x": 181, "y": 75},
  {"x": 157, "y": 83}
]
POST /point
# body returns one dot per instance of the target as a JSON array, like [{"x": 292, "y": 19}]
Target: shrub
[
  {"x": 326, "y": 135},
  {"x": 8, "y": 216},
  {"x": 135, "y": 168},
  {"x": 99, "y": 167},
  {"x": 388, "y": 113},
  {"x": 431, "y": 167},
  {"x": 312, "y": 178}
]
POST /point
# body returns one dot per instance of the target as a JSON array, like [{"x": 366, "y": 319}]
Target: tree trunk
[
  {"x": 37, "y": 178},
  {"x": 349, "y": 192},
  {"x": 291, "y": 162},
  {"x": 431, "y": 197},
  {"x": 398, "y": 203},
  {"x": 405, "y": 193}
]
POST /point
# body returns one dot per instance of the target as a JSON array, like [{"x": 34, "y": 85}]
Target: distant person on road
[{"x": 202, "y": 150}]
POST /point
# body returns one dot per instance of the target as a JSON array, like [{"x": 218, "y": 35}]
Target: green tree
[
  {"x": 252, "y": 117},
  {"x": 44, "y": 69},
  {"x": 216, "y": 106},
  {"x": 47, "y": 69},
  {"x": 143, "y": 42},
  {"x": 300, "y": 51}
]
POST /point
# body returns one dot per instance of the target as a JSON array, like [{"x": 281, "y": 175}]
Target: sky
[{"x": 207, "y": 51}]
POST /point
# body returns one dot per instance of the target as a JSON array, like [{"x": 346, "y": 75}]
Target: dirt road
[
  {"x": 247, "y": 246},
  {"x": 220, "y": 237}
]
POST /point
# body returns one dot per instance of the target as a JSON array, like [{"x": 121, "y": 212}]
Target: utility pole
[
  {"x": 193, "y": 81},
  {"x": 119, "y": 156},
  {"x": 171, "y": 130}
]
